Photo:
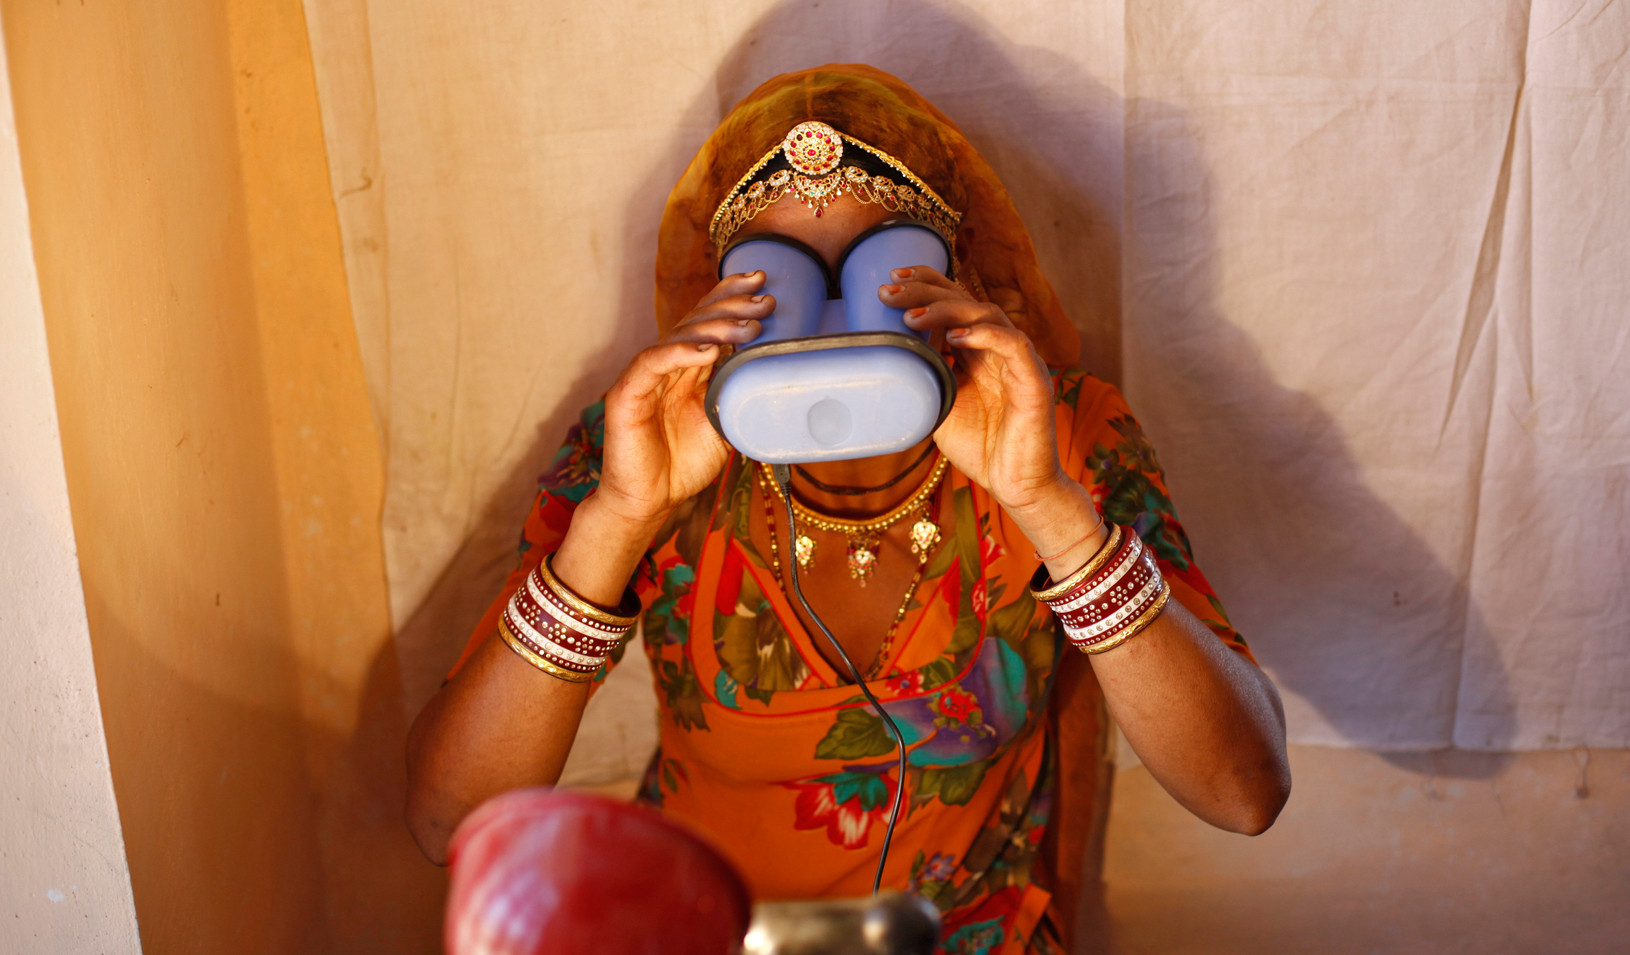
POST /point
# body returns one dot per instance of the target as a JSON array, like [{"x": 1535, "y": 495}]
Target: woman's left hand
[{"x": 1000, "y": 431}]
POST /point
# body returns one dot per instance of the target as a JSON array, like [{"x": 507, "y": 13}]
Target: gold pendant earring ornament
[
  {"x": 863, "y": 551},
  {"x": 925, "y": 536},
  {"x": 804, "y": 550}
]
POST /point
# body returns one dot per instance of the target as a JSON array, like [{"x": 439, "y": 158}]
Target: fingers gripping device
[{"x": 834, "y": 374}]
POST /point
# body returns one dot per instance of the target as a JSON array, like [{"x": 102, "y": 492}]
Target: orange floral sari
[{"x": 765, "y": 750}]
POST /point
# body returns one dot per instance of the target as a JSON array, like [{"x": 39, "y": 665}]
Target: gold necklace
[
  {"x": 865, "y": 537},
  {"x": 876, "y": 668}
]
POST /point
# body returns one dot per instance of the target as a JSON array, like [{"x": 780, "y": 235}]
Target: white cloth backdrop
[{"x": 1361, "y": 266}]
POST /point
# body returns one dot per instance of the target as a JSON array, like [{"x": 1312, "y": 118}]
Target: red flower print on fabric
[
  {"x": 976, "y": 597},
  {"x": 957, "y": 703},
  {"x": 846, "y": 805},
  {"x": 729, "y": 583},
  {"x": 903, "y": 683}
]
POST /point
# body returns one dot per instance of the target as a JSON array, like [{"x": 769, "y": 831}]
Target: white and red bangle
[
  {"x": 1111, "y": 598},
  {"x": 558, "y": 631},
  {"x": 551, "y": 638}
]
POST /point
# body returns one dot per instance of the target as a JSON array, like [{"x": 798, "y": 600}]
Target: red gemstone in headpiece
[{"x": 813, "y": 148}]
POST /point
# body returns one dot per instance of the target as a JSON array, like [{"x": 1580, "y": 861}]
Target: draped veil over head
[{"x": 992, "y": 244}]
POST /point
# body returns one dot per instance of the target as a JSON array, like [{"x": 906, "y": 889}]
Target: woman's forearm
[
  {"x": 501, "y": 723},
  {"x": 1206, "y": 721}
]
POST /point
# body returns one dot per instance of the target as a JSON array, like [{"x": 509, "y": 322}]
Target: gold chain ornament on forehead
[{"x": 817, "y": 175}]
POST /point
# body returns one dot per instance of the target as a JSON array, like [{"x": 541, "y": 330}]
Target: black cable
[{"x": 783, "y": 477}]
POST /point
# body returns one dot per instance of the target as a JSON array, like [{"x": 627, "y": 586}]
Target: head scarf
[{"x": 993, "y": 247}]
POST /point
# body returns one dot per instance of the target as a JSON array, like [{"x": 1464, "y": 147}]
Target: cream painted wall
[{"x": 64, "y": 884}]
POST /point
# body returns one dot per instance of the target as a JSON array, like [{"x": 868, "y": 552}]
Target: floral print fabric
[{"x": 786, "y": 768}]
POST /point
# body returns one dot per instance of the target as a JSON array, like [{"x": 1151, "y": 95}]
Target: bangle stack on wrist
[
  {"x": 1111, "y": 598},
  {"x": 558, "y": 631}
]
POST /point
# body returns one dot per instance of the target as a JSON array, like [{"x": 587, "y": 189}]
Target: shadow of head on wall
[{"x": 1356, "y": 615}]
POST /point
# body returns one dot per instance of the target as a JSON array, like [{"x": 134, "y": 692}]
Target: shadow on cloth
[
  {"x": 252, "y": 827},
  {"x": 1287, "y": 476}
]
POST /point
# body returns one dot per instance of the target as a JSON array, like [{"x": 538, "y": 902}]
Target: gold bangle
[
  {"x": 525, "y": 652},
  {"x": 623, "y": 616},
  {"x": 1135, "y": 627},
  {"x": 1044, "y": 593}
]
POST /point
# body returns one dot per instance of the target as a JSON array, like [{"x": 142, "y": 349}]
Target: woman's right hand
[{"x": 660, "y": 448}]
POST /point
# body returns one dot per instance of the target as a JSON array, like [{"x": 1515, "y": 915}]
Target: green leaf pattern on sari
[
  {"x": 755, "y": 650},
  {"x": 1127, "y": 470}
]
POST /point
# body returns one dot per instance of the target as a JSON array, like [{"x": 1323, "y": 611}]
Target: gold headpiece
[{"x": 816, "y": 172}]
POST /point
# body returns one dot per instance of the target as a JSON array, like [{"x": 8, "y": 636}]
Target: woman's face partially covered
[{"x": 828, "y": 233}]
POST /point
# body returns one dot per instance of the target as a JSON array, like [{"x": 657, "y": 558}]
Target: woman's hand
[
  {"x": 660, "y": 447},
  {"x": 1000, "y": 431}
]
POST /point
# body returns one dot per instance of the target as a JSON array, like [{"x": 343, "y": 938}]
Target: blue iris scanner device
[{"x": 834, "y": 374}]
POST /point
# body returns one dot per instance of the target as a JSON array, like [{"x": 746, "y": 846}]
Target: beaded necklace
[
  {"x": 875, "y": 669},
  {"x": 864, "y": 537}
]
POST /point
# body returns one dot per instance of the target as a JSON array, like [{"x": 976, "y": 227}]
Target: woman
[{"x": 920, "y": 563}]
